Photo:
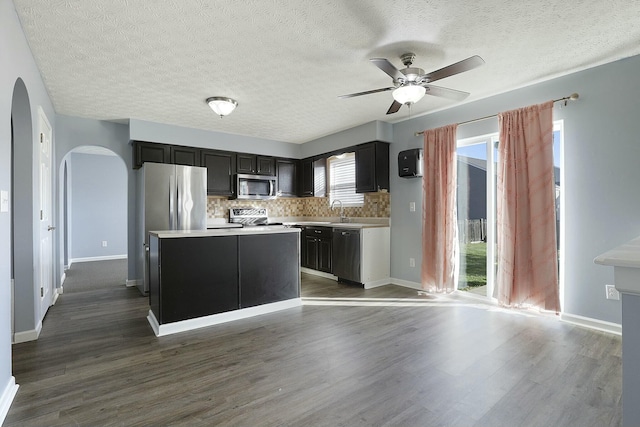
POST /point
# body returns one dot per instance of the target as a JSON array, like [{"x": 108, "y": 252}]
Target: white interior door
[{"x": 46, "y": 220}]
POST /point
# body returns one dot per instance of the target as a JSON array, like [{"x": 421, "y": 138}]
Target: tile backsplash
[{"x": 376, "y": 205}]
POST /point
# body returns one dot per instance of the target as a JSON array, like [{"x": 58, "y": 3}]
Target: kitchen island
[
  {"x": 625, "y": 260},
  {"x": 205, "y": 277}
]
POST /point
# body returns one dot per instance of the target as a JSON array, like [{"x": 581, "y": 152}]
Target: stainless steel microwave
[{"x": 255, "y": 186}]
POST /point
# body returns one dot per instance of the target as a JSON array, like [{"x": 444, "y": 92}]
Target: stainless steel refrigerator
[{"x": 170, "y": 197}]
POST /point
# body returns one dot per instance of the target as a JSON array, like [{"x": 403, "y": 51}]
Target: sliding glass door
[
  {"x": 476, "y": 213},
  {"x": 476, "y": 204}
]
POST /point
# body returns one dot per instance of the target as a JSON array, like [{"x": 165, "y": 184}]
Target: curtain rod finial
[{"x": 574, "y": 96}]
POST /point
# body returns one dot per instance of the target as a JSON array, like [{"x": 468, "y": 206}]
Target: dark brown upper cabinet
[
  {"x": 312, "y": 177},
  {"x": 246, "y": 163},
  {"x": 266, "y": 165},
  {"x": 287, "y": 174},
  {"x": 150, "y": 152},
  {"x": 187, "y": 156},
  {"x": 220, "y": 171},
  {"x": 255, "y": 164},
  {"x": 372, "y": 167}
]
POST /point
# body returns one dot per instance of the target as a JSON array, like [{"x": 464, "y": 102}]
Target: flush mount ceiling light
[
  {"x": 221, "y": 105},
  {"x": 409, "y": 94}
]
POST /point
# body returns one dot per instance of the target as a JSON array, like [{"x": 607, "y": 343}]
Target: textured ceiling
[{"x": 287, "y": 61}]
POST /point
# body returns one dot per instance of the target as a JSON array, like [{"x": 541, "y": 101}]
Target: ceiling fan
[{"x": 410, "y": 84}]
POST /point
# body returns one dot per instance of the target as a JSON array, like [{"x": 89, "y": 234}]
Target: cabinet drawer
[{"x": 319, "y": 232}]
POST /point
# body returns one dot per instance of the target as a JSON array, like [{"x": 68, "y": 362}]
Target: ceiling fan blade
[
  {"x": 459, "y": 67},
  {"x": 445, "y": 92},
  {"x": 394, "y": 107},
  {"x": 351, "y": 95},
  {"x": 388, "y": 68}
]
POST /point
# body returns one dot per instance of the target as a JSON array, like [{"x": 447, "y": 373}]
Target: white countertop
[
  {"x": 167, "y": 234},
  {"x": 626, "y": 255},
  {"x": 336, "y": 224}
]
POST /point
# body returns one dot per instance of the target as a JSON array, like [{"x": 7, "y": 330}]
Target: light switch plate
[
  {"x": 4, "y": 201},
  {"x": 412, "y": 206}
]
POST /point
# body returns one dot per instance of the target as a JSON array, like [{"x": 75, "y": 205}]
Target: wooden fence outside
[{"x": 472, "y": 230}]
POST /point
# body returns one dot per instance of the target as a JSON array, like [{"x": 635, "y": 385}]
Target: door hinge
[
  {"x": 41, "y": 137},
  {"x": 41, "y": 292},
  {"x": 41, "y": 215}
]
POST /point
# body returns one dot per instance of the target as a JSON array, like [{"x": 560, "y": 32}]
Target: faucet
[{"x": 342, "y": 217}]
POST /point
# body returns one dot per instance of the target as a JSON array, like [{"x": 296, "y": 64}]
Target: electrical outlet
[
  {"x": 104, "y": 243},
  {"x": 412, "y": 262},
  {"x": 612, "y": 292},
  {"x": 412, "y": 206}
]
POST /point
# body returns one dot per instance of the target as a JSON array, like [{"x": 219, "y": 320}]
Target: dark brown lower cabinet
[{"x": 317, "y": 248}]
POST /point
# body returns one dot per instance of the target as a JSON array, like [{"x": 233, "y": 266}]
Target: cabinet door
[
  {"x": 366, "y": 168},
  {"x": 306, "y": 178},
  {"x": 320, "y": 177},
  {"x": 188, "y": 156},
  {"x": 324, "y": 255},
  {"x": 220, "y": 171},
  {"x": 286, "y": 171},
  {"x": 310, "y": 252},
  {"x": 246, "y": 163},
  {"x": 271, "y": 275},
  {"x": 265, "y": 165},
  {"x": 149, "y": 152},
  {"x": 372, "y": 167}
]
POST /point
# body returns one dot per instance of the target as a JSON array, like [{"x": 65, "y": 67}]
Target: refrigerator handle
[
  {"x": 179, "y": 211},
  {"x": 271, "y": 189},
  {"x": 172, "y": 203}
]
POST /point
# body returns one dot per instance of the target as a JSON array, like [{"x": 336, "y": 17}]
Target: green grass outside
[{"x": 473, "y": 268}]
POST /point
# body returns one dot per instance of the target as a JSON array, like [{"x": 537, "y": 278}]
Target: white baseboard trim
[
  {"x": 55, "y": 297},
  {"x": 26, "y": 336},
  {"x": 216, "y": 319},
  {"x": 377, "y": 283},
  {"x": 97, "y": 258},
  {"x": 591, "y": 323},
  {"x": 7, "y": 397},
  {"x": 132, "y": 282},
  {"x": 406, "y": 283},
  {"x": 318, "y": 273},
  {"x": 63, "y": 278}
]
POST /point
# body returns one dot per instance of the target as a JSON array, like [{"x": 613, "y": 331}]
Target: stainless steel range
[{"x": 250, "y": 217}]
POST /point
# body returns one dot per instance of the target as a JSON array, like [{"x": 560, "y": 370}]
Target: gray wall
[
  {"x": 372, "y": 131},
  {"x": 17, "y": 62},
  {"x": 98, "y": 206},
  {"x": 601, "y": 173}
]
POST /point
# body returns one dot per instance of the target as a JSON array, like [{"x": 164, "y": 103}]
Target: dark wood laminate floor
[{"x": 349, "y": 357}]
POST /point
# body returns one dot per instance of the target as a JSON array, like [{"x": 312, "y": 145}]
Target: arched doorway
[{"x": 93, "y": 206}]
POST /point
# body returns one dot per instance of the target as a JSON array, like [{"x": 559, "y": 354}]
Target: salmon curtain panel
[
  {"x": 439, "y": 228},
  {"x": 526, "y": 225}
]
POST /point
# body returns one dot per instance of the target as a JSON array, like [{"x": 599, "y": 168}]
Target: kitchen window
[{"x": 342, "y": 180}]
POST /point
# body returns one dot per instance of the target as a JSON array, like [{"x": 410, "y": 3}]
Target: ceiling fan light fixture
[
  {"x": 409, "y": 94},
  {"x": 221, "y": 105}
]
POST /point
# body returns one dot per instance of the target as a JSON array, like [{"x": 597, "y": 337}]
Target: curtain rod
[{"x": 571, "y": 97}]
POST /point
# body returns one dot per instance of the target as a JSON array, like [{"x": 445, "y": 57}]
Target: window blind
[{"x": 342, "y": 181}]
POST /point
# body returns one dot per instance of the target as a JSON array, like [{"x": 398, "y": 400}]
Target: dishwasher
[{"x": 346, "y": 254}]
